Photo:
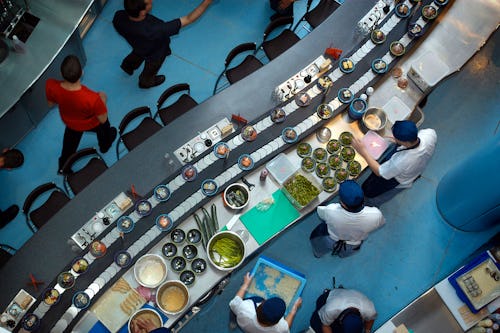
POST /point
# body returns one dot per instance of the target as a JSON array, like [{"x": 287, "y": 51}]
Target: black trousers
[
  {"x": 72, "y": 139},
  {"x": 374, "y": 185},
  {"x": 151, "y": 67},
  {"x": 288, "y": 11}
]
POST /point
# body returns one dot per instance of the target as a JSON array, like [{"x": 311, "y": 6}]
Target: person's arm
[
  {"x": 246, "y": 283},
  {"x": 195, "y": 14},
  {"x": 369, "y": 325},
  {"x": 361, "y": 149},
  {"x": 291, "y": 315},
  {"x": 103, "y": 117},
  {"x": 285, "y": 4},
  {"x": 326, "y": 329}
]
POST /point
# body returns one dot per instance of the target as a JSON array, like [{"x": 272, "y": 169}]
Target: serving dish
[
  {"x": 345, "y": 95},
  {"x": 189, "y": 172},
  {"x": 81, "y": 300},
  {"x": 236, "y": 196},
  {"x": 324, "y": 83},
  {"x": 308, "y": 164},
  {"x": 66, "y": 280},
  {"x": 125, "y": 224},
  {"x": 249, "y": 133},
  {"x": 347, "y": 154},
  {"x": 320, "y": 154},
  {"x": 324, "y": 111},
  {"x": 415, "y": 30},
  {"x": 51, "y": 296},
  {"x": 172, "y": 297},
  {"x": 209, "y": 187},
  {"x": 245, "y": 162},
  {"x": 322, "y": 170},
  {"x": 341, "y": 175},
  {"x": 345, "y": 138},
  {"x": 162, "y": 193},
  {"x": 150, "y": 270},
  {"x": 146, "y": 314},
  {"x": 289, "y": 135},
  {"x": 429, "y": 12},
  {"x": 379, "y": 66},
  {"x": 333, "y": 146},
  {"x": 402, "y": 10},
  {"x": 397, "y": 49},
  {"x": 164, "y": 222},
  {"x": 30, "y": 322},
  {"x": 374, "y": 119},
  {"x": 302, "y": 99},
  {"x": 178, "y": 263},
  {"x": 334, "y": 161},
  {"x": 221, "y": 149},
  {"x": 187, "y": 277},
  {"x": 304, "y": 149},
  {"x": 177, "y": 236},
  {"x": 377, "y": 36},
  {"x": 123, "y": 259},
  {"x": 441, "y": 2},
  {"x": 169, "y": 250},
  {"x": 278, "y": 115},
  {"x": 80, "y": 265},
  {"x": 354, "y": 168},
  {"x": 198, "y": 265},
  {"x": 301, "y": 189},
  {"x": 226, "y": 250},
  {"x": 329, "y": 184},
  {"x": 189, "y": 252},
  {"x": 97, "y": 249},
  {"x": 193, "y": 236},
  {"x": 346, "y": 65}
]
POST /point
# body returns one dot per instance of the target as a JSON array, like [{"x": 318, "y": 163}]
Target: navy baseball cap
[{"x": 405, "y": 130}]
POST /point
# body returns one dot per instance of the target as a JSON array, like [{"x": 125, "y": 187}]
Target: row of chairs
[{"x": 272, "y": 47}]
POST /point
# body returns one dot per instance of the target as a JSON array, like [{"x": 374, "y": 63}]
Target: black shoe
[
  {"x": 114, "y": 132},
  {"x": 126, "y": 70},
  {"x": 8, "y": 215},
  {"x": 159, "y": 79}
]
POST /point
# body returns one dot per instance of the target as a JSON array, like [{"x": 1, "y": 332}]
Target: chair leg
[
  {"x": 117, "y": 150},
  {"x": 30, "y": 225},
  {"x": 217, "y": 82}
]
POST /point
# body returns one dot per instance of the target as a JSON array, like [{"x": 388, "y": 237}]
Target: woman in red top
[{"x": 81, "y": 109}]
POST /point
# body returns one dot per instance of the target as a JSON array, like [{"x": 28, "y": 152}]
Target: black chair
[
  {"x": 147, "y": 127},
  {"x": 37, "y": 217},
  {"x": 182, "y": 105},
  {"x": 249, "y": 65},
  {"x": 318, "y": 14},
  {"x": 279, "y": 44},
  {"x": 76, "y": 178},
  {"x": 6, "y": 252}
]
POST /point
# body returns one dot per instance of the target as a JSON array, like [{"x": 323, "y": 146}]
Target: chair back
[
  {"x": 170, "y": 91},
  {"x": 76, "y": 180},
  {"x": 183, "y": 104},
  {"x": 237, "y": 50},
  {"x": 278, "y": 44},
  {"x": 37, "y": 217}
]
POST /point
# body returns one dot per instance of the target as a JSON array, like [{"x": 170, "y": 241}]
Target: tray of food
[{"x": 301, "y": 189}]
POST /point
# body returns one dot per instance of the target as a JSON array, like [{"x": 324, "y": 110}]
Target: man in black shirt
[{"x": 149, "y": 37}]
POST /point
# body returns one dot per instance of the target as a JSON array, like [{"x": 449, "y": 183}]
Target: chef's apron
[{"x": 322, "y": 243}]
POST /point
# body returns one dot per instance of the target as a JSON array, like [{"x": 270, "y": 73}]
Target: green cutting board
[{"x": 265, "y": 224}]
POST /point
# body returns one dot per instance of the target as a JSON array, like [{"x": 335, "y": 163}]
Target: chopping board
[{"x": 265, "y": 224}]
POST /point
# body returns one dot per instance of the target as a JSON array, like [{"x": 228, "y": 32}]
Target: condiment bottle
[{"x": 263, "y": 174}]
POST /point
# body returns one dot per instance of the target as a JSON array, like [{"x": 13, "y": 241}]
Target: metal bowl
[
  {"x": 231, "y": 191},
  {"x": 374, "y": 119},
  {"x": 144, "y": 314},
  {"x": 233, "y": 254},
  {"x": 172, "y": 297},
  {"x": 150, "y": 270}
]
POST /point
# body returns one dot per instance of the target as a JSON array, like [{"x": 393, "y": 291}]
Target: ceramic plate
[
  {"x": 346, "y": 65},
  {"x": 97, "y": 249},
  {"x": 178, "y": 236},
  {"x": 187, "y": 277},
  {"x": 345, "y": 95},
  {"x": 51, "y": 296},
  {"x": 193, "y": 236},
  {"x": 221, "y": 149},
  {"x": 81, "y": 300},
  {"x": 277, "y": 115},
  {"x": 289, "y": 135},
  {"x": 123, "y": 259},
  {"x": 178, "y": 263},
  {"x": 66, "y": 280},
  {"x": 209, "y": 187},
  {"x": 402, "y": 10},
  {"x": 245, "y": 162},
  {"x": 30, "y": 322},
  {"x": 164, "y": 222},
  {"x": 199, "y": 265},
  {"x": 189, "y": 173},
  {"x": 169, "y": 250},
  {"x": 80, "y": 265},
  {"x": 162, "y": 193},
  {"x": 143, "y": 207},
  {"x": 249, "y": 133},
  {"x": 379, "y": 66},
  {"x": 125, "y": 224}
]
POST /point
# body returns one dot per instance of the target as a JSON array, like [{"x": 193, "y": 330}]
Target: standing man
[
  {"x": 415, "y": 149},
  {"x": 343, "y": 311},
  {"x": 10, "y": 159},
  {"x": 346, "y": 224},
  {"x": 257, "y": 315},
  {"x": 81, "y": 109},
  {"x": 149, "y": 38}
]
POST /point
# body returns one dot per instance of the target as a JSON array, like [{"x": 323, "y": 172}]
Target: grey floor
[{"x": 412, "y": 252}]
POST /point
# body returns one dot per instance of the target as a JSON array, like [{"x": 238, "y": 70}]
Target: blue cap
[
  {"x": 271, "y": 310},
  {"x": 405, "y": 130},
  {"x": 352, "y": 323},
  {"x": 351, "y": 194}
]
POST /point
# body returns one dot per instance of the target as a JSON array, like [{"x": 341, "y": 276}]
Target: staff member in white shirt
[
  {"x": 347, "y": 224},
  {"x": 257, "y": 315},
  {"x": 415, "y": 148},
  {"x": 343, "y": 311}
]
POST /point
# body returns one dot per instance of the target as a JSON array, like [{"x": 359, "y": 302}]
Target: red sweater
[{"x": 79, "y": 108}]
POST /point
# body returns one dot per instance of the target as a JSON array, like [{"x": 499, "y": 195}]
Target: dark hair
[
  {"x": 13, "y": 158},
  {"x": 71, "y": 69},
  {"x": 134, "y": 7}
]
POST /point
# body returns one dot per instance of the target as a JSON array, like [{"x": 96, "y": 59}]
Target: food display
[
  {"x": 346, "y": 65},
  {"x": 189, "y": 172},
  {"x": 289, "y": 135},
  {"x": 278, "y": 115},
  {"x": 300, "y": 189},
  {"x": 97, "y": 249},
  {"x": 145, "y": 315},
  {"x": 304, "y": 149},
  {"x": 302, "y": 99},
  {"x": 209, "y": 187},
  {"x": 397, "y": 49},
  {"x": 341, "y": 175},
  {"x": 199, "y": 265},
  {"x": 320, "y": 154},
  {"x": 221, "y": 150},
  {"x": 324, "y": 82},
  {"x": 377, "y": 36},
  {"x": 324, "y": 111},
  {"x": 334, "y": 161},
  {"x": 429, "y": 12},
  {"x": 226, "y": 250},
  {"x": 81, "y": 300},
  {"x": 354, "y": 168},
  {"x": 345, "y": 138},
  {"x": 123, "y": 259},
  {"x": 66, "y": 280},
  {"x": 164, "y": 222},
  {"x": 189, "y": 252},
  {"x": 51, "y": 296},
  {"x": 415, "y": 30},
  {"x": 169, "y": 250},
  {"x": 178, "y": 263},
  {"x": 143, "y": 207},
  {"x": 80, "y": 265},
  {"x": 245, "y": 162},
  {"x": 248, "y": 133},
  {"x": 162, "y": 193},
  {"x": 329, "y": 184},
  {"x": 345, "y": 95},
  {"x": 236, "y": 196},
  {"x": 308, "y": 164},
  {"x": 322, "y": 170},
  {"x": 379, "y": 66},
  {"x": 30, "y": 322},
  {"x": 193, "y": 236},
  {"x": 177, "y": 236},
  {"x": 333, "y": 146},
  {"x": 347, "y": 154},
  {"x": 125, "y": 224},
  {"x": 402, "y": 10},
  {"x": 187, "y": 277}
]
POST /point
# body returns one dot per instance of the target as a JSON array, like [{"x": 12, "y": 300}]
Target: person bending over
[
  {"x": 257, "y": 315},
  {"x": 149, "y": 38},
  {"x": 415, "y": 149},
  {"x": 346, "y": 224}
]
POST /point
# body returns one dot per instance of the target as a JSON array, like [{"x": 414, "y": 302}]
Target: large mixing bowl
[
  {"x": 172, "y": 297},
  {"x": 146, "y": 314},
  {"x": 374, "y": 119},
  {"x": 150, "y": 270},
  {"x": 226, "y": 250}
]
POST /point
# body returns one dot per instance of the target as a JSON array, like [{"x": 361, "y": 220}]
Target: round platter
[
  {"x": 162, "y": 193},
  {"x": 221, "y": 149},
  {"x": 164, "y": 222},
  {"x": 345, "y": 95},
  {"x": 125, "y": 224},
  {"x": 123, "y": 259},
  {"x": 209, "y": 187},
  {"x": 277, "y": 115},
  {"x": 289, "y": 135},
  {"x": 245, "y": 162},
  {"x": 346, "y": 65},
  {"x": 66, "y": 280},
  {"x": 379, "y": 66},
  {"x": 189, "y": 173},
  {"x": 81, "y": 300},
  {"x": 143, "y": 208},
  {"x": 249, "y": 133}
]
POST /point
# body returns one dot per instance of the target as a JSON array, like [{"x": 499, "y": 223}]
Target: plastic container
[
  {"x": 281, "y": 168},
  {"x": 293, "y": 200},
  {"x": 396, "y": 109},
  {"x": 375, "y": 144}
]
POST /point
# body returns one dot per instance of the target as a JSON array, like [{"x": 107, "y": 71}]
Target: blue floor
[{"x": 412, "y": 252}]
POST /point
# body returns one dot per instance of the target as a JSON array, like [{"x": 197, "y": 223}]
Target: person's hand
[
  {"x": 297, "y": 304},
  {"x": 247, "y": 279},
  {"x": 358, "y": 146},
  {"x": 141, "y": 325},
  {"x": 207, "y": 2}
]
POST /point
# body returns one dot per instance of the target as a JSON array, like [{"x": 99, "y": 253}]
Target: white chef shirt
[
  {"x": 406, "y": 165},
  {"x": 348, "y": 226},
  {"x": 246, "y": 316},
  {"x": 340, "y": 299}
]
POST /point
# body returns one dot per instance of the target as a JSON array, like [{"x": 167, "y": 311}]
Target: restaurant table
[{"x": 50, "y": 241}]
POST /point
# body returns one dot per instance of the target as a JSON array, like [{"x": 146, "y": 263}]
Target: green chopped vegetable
[
  {"x": 301, "y": 189},
  {"x": 226, "y": 252}
]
